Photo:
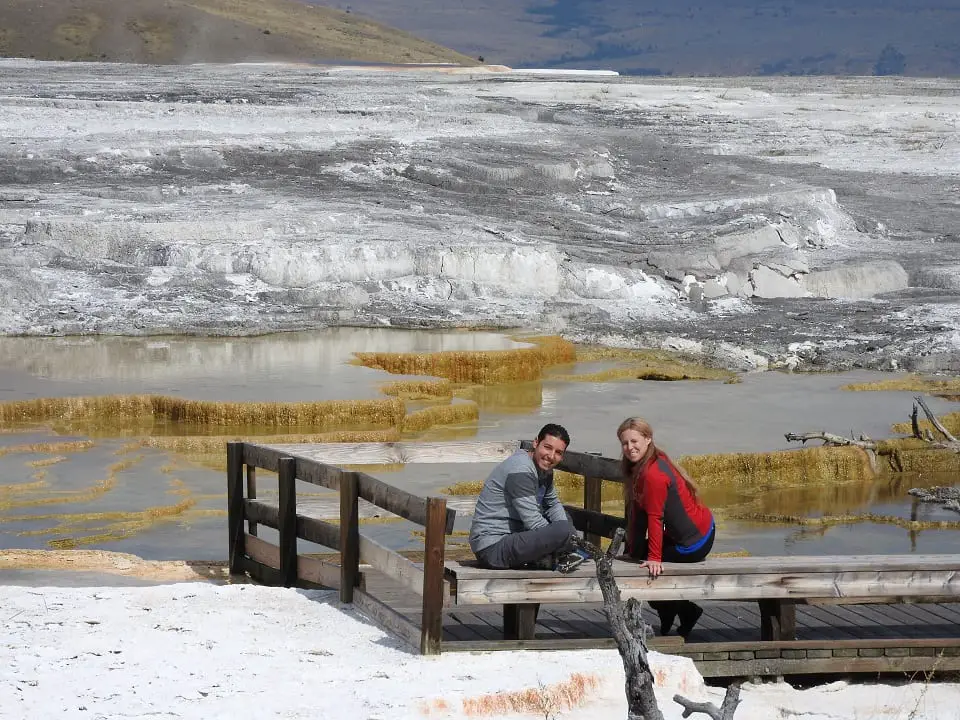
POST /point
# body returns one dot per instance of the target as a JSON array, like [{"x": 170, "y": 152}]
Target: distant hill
[
  {"x": 175, "y": 31},
  {"x": 690, "y": 37}
]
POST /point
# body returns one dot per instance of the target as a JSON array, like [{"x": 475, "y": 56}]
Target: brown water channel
[{"x": 107, "y": 491}]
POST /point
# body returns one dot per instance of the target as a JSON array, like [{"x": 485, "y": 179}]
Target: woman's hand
[{"x": 654, "y": 566}]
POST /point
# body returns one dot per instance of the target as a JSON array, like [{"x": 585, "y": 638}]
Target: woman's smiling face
[{"x": 634, "y": 444}]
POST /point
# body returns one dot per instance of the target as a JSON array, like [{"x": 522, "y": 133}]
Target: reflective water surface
[
  {"x": 282, "y": 367},
  {"x": 114, "y": 494}
]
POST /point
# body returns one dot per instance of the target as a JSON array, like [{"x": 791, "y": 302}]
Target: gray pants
[{"x": 518, "y": 549}]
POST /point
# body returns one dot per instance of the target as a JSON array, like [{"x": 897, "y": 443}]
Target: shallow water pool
[{"x": 114, "y": 495}]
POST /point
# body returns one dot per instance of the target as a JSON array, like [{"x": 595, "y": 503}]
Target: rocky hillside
[{"x": 184, "y": 31}]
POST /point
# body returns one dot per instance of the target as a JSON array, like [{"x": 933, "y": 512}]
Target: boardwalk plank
[
  {"x": 479, "y": 625},
  {"x": 549, "y": 625},
  {"x": 858, "y": 626},
  {"x": 880, "y": 624},
  {"x": 454, "y": 630},
  {"x": 928, "y": 615},
  {"x": 722, "y": 621},
  {"x": 907, "y": 630},
  {"x": 596, "y": 622},
  {"x": 914, "y": 620},
  {"x": 709, "y": 628},
  {"x": 950, "y": 612},
  {"x": 737, "y": 616},
  {"x": 828, "y": 623},
  {"x": 899, "y": 636},
  {"x": 905, "y": 624},
  {"x": 561, "y": 623}
]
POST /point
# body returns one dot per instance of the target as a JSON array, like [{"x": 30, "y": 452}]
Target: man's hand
[{"x": 655, "y": 567}]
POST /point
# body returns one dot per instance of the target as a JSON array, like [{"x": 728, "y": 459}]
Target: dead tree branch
[
  {"x": 725, "y": 712},
  {"x": 630, "y": 634},
  {"x": 951, "y": 442},
  {"x": 948, "y": 497},
  {"x": 915, "y": 422},
  {"x": 864, "y": 443},
  {"x": 831, "y": 439}
]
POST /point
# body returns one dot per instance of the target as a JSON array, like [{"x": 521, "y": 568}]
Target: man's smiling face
[{"x": 548, "y": 453}]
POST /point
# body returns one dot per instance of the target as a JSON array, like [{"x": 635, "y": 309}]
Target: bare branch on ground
[{"x": 725, "y": 712}]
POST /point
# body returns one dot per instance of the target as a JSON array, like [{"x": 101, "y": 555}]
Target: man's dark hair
[{"x": 558, "y": 431}]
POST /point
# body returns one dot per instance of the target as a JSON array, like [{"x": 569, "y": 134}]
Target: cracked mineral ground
[{"x": 807, "y": 223}]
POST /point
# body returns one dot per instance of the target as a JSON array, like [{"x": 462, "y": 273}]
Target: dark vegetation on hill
[
  {"x": 177, "y": 31},
  {"x": 690, "y": 37}
]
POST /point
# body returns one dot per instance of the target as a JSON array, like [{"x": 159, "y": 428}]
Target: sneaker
[
  {"x": 570, "y": 561},
  {"x": 545, "y": 563}
]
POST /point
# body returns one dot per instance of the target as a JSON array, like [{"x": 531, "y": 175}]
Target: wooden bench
[{"x": 776, "y": 583}]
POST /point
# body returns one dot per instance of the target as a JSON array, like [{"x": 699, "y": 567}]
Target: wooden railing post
[
  {"x": 288, "y": 521},
  {"x": 592, "y": 500},
  {"x": 431, "y": 626},
  {"x": 349, "y": 536},
  {"x": 251, "y": 494},
  {"x": 235, "y": 543}
]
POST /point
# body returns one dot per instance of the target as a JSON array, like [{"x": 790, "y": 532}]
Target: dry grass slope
[
  {"x": 175, "y": 31},
  {"x": 913, "y": 383},
  {"x": 781, "y": 468},
  {"x": 910, "y": 455},
  {"x": 119, "y": 412},
  {"x": 441, "y": 415},
  {"x": 477, "y": 367}
]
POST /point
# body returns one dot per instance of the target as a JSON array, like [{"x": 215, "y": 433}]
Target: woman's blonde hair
[{"x": 631, "y": 470}]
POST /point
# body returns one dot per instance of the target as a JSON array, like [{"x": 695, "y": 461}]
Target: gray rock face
[
  {"x": 858, "y": 281},
  {"x": 768, "y": 282},
  {"x": 943, "y": 278},
  {"x": 249, "y": 199}
]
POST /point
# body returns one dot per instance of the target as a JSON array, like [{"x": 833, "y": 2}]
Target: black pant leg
[
  {"x": 518, "y": 549},
  {"x": 687, "y": 611}
]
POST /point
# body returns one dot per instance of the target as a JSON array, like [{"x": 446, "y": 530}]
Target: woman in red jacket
[{"x": 665, "y": 519}]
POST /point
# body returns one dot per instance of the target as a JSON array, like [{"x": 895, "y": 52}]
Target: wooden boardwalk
[
  {"x": 726, "y": 642},
  {"x": 839, "y": 635}
]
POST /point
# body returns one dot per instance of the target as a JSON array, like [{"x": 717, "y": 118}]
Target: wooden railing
[{"x": 282, "y": 565}]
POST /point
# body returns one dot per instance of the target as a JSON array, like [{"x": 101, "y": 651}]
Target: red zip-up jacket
[{"x": 661, "y": 492}]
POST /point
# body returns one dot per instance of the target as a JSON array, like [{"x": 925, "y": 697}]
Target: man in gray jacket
[{"x": 519, "y": 520}]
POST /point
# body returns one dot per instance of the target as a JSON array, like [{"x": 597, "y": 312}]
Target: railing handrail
[
  {"x": 587, "y": 464},
  {"x": 385, "y": 496},
  {"x": 283, "y": 565}
]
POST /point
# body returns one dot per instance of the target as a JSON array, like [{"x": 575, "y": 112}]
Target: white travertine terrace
[{"x": 741, "y": 215}]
